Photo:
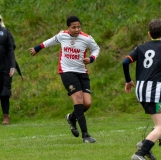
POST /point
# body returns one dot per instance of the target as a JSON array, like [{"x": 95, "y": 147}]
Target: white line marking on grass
[
  {"x": 118, "y": 131},
  {"x": 29, "y": 124},
  {"x": 39, "y": 137},
  {"x": 141, "y": 128}
]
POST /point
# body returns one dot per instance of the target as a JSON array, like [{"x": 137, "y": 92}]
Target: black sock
[
  {"x": 86, "y": 109},
  {"x": 79, "y": 113},
  {"x": 146, "y": 147},
  {"x": 5, "y": 105},
  {"x": 72, "y": 116}
]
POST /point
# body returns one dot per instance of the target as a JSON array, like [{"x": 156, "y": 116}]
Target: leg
[
  {"x": 75, "y": 84},
  {"x": 1, "y": 81},
  {"x": 153, "y": 136},
  {"x": 5, "y": 105},
  {"x": 144, "y": 147},
  {"x": 4, "y": 102},
  {"x": 86, "y": 101},
  {"x": 5, "y": 95},
  {"x": 72, "y": 117},
  {"x": 79, "y": 113},
  {"x": 78, "y": 100},
  {"x": 158, "y": 139},
  {"x": 79, "y": 110},
  {"x": 5, "y": 110}
]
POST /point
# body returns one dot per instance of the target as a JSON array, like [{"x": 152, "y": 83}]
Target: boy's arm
[
  {"x": 94, "y": 49},
  {"x": 36, "y": 49},
  {"x": 125, "y": 64},
  {"x": 47, "y": 43},
  {"x": 129, "y": 84}
]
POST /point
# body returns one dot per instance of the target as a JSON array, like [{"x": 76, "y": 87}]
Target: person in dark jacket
[{"x": 7, "y": 68}]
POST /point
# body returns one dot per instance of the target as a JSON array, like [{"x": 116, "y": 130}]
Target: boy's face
[{"x": 74, "y": 29}]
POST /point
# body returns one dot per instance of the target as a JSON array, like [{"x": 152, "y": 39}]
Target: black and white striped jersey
[{"x": 148, "y": 71}]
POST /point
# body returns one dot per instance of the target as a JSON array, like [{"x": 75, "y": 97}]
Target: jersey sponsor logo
[
  {"x": 1, "y": 33},
  {"x": 72, "y": 56},
  {"x": 71, "y": 50},
  {"x": 72, "y": 42},
  {"x": 72, "y": 53}
]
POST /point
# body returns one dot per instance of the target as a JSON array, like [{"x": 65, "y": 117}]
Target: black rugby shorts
[
  {"x": 74, "y": 82},
  {"x": 151, "y": 107}
]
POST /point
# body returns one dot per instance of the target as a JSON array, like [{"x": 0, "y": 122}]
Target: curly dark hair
[
  {"x": 155, "y": 28},
  {"x": 71, "y": 19}
]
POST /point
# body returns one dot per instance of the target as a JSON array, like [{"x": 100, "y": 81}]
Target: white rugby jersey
[{"x": 73, "y": 50}]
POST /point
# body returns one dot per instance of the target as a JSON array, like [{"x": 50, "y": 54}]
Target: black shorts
[
  {"x": 74, "y": 82},
  {"x": 151, "y": 107}
]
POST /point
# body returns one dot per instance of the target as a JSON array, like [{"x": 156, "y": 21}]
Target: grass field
[
  {"x": 118, "y": 27},
  {"x": 51, "y": 139}
]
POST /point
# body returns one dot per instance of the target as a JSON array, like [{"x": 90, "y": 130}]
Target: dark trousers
[
  {"x": 5, "y": 104},
  {"x": 1, "y": 81}
]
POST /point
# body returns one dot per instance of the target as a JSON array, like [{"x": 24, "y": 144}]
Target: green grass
[
  {"x": 117, "y": 26},
  {"x": 39, "y": 103},
  {"x": 49, "y": 139}
]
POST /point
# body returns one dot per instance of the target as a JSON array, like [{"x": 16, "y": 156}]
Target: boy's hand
[
  {"x": 86, "y": 60},
  {"x": 32, "y": 51},
  {"x": 128, "y": 86}
]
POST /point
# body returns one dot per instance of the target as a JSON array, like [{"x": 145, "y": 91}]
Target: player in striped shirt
[
  {"x": 72, "y": 69},
  {"x": 148, "y": 84}
]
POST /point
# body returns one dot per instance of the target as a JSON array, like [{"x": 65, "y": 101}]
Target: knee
[
  {"x": 79, "y": 99},
  {"x": 87, "y": 106}
]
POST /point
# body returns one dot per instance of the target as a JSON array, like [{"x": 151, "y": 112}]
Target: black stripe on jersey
[
  {"x": 153, "y": 92},
  {"x": 144, "y": 92},
  {"x": 137, "y": 90}
]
